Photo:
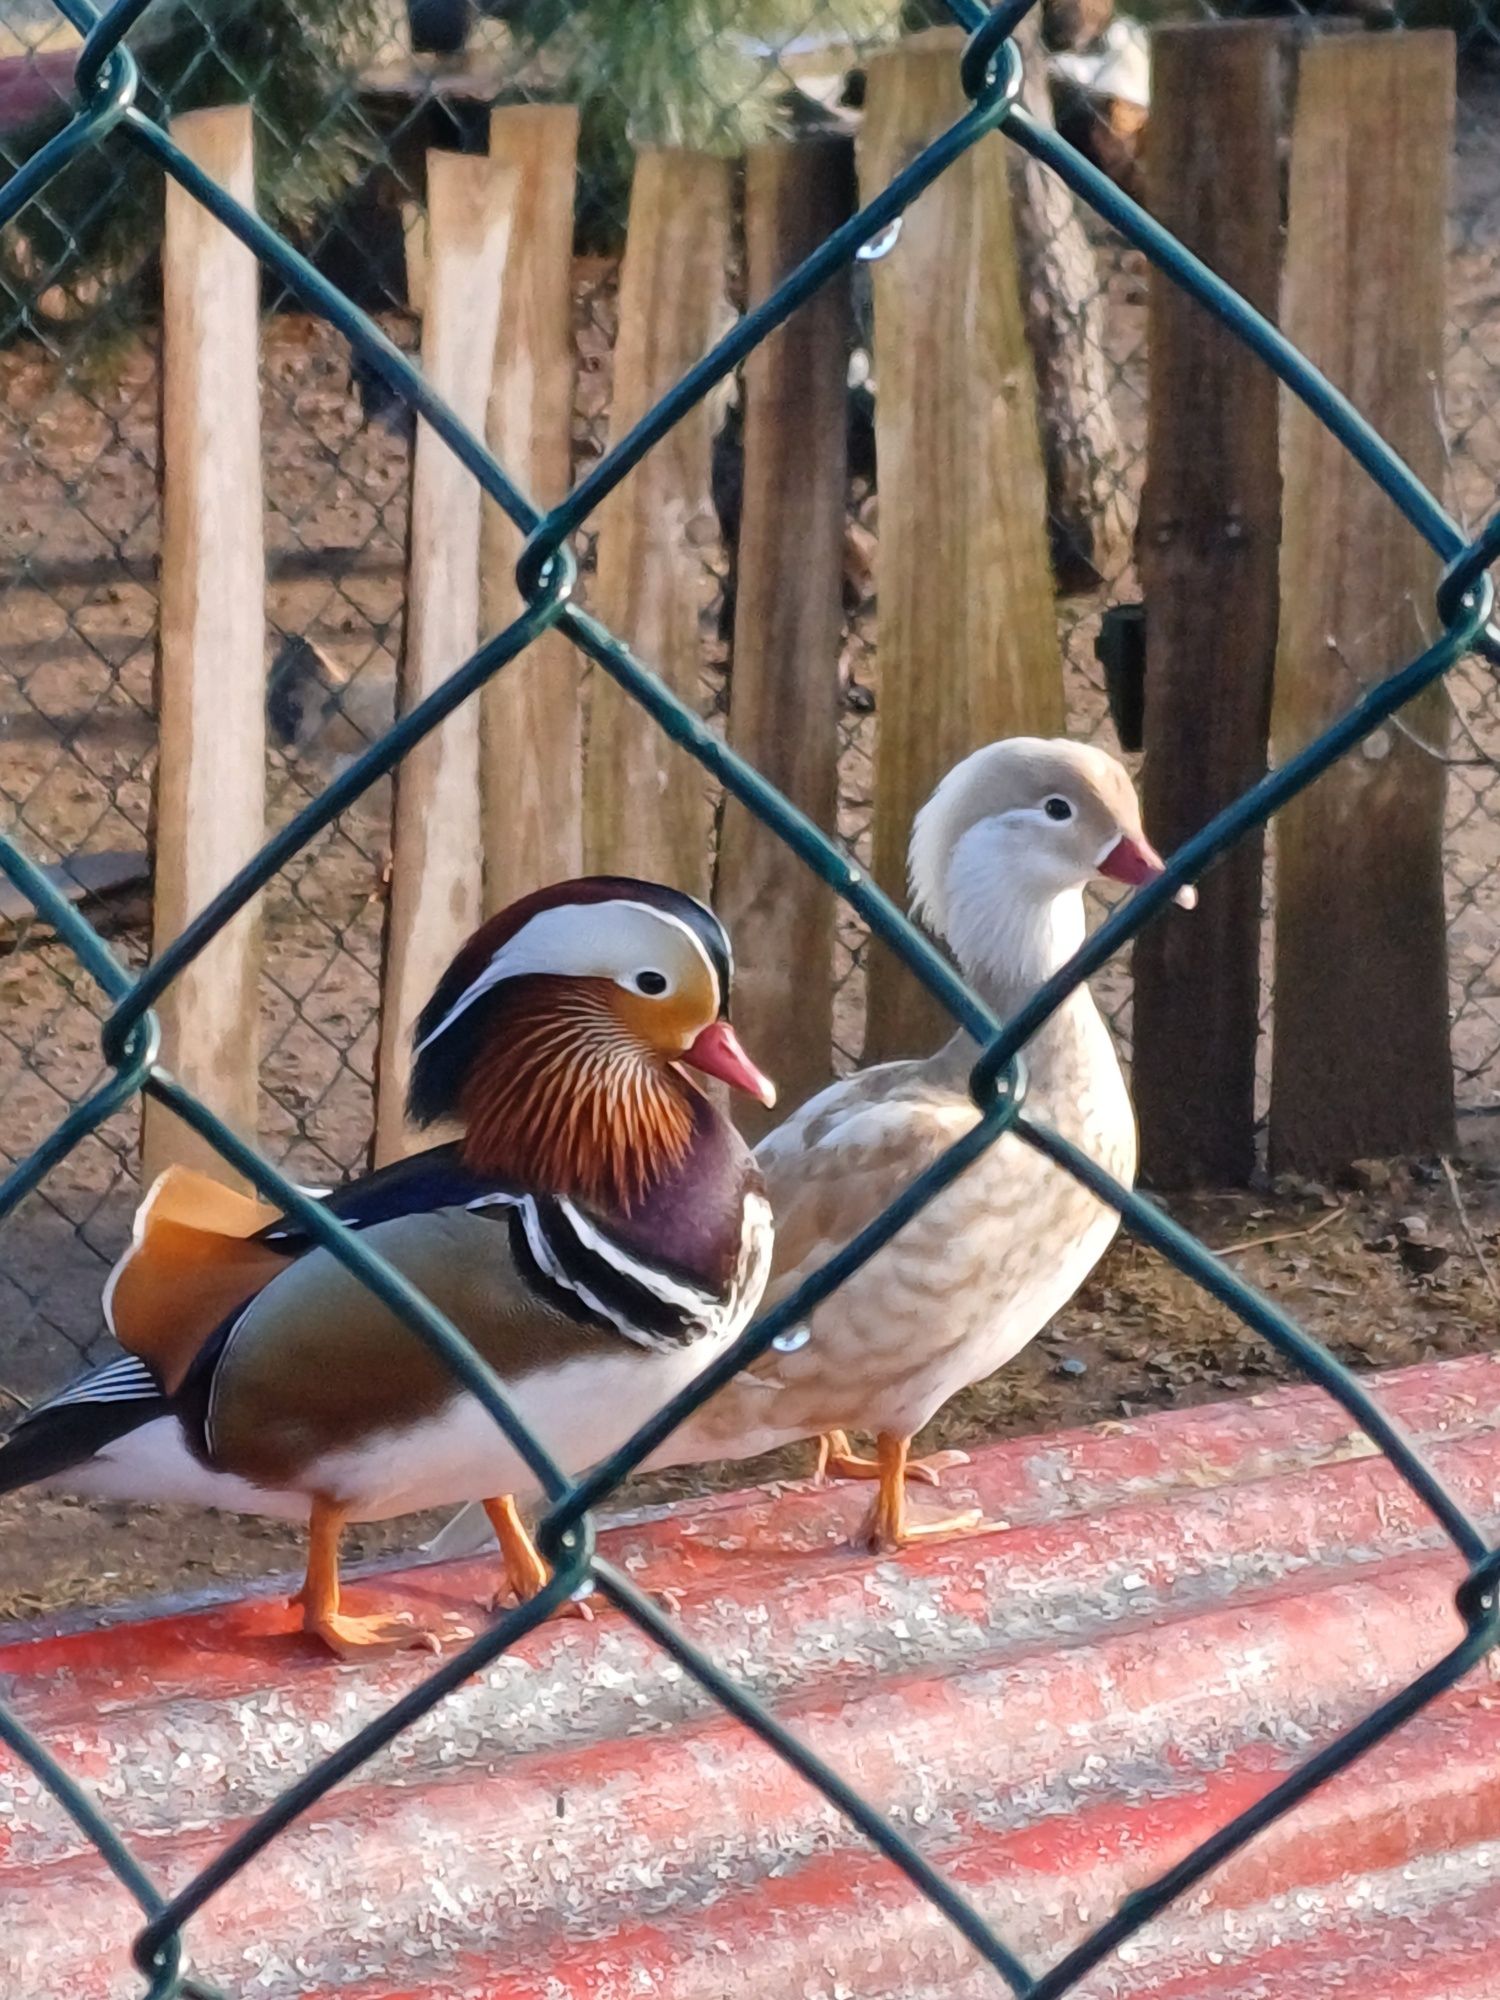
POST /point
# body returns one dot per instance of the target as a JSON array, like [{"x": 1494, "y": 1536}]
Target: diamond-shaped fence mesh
[{"x": 78, "y": 524}]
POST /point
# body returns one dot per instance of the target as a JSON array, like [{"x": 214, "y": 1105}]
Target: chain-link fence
[
  {"x": 345, "y": 111},
  {"x": 73, "y": 1141}
]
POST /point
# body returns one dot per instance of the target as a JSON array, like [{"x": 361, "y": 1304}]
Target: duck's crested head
[
  {"x": 1023, "y": 822},
  {"x": 556, "y": 1033}
]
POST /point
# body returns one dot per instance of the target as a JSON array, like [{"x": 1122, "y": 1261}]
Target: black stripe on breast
[
  {"x": 627, "y": 1302},
  {"x": 543, "y": 1283}
]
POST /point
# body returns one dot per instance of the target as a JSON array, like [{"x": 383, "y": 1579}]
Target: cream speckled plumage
[{"x": 968, "y": 1282}]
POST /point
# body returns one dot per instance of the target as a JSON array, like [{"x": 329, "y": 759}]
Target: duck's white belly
[{"x": 581, "y": 1412}]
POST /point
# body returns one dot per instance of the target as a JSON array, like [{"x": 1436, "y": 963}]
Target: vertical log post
[
  {"x": 531, "y": 750},
  {"x": 784, "y": 694},
  {"x": 1210, "y": 529},
  {"x": 968, "y": 647},
  {"x": 646, "y": 803},
  {"x": 1360, "y": 1061},
  {"x": 211, "y": 666},
  {"x": 435, "y": 833}
]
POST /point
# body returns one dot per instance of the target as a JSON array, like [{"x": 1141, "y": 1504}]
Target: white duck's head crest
[{"x": 1011, "y": 836}]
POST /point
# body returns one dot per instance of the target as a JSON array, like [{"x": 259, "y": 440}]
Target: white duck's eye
[
  {"x": 1056, "y": 808},
  {"x": 651, "y": 982}
]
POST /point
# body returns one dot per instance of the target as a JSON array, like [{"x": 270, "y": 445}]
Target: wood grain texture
[
  {"x": 211, "y": 668},
  {"x": 435, "y": 834},
  {"x": 647, "y": 805},
  {"x": 784, "y": 693},
  {"x": 530, "y": 719},
  {"x": 1361, "y": 1062},
  {"x": 968, "y": 646},
  {"x": 1208, "y": 551}
]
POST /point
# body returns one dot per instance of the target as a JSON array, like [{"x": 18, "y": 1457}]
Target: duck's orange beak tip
[{"x": 717, "y": 1052}]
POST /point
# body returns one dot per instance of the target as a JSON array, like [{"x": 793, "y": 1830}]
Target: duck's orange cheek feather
[
  {"x": 191, "y": 1262},
  {"x": 667, "y": 1024}
]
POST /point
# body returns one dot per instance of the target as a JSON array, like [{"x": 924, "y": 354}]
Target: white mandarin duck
[
  {"x": 999, "y": 860},
  {"x": 598, "y": 1233}
]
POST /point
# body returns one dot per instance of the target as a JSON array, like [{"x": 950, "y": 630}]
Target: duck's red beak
[
  {"x": 1136, "y": 861},
  {"x": 717, "y": 1052}
]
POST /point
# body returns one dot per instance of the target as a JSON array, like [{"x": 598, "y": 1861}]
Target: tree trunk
[{"x": 1091, "y": 509}]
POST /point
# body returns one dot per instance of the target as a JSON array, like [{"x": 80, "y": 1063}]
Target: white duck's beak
[{"x": 1136, "y": 861}]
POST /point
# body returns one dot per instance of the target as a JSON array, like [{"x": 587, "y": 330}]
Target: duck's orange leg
[
  {"x": 351, "y": 1638},
  {"x": 525, "y": 1571},
  {"x": 838, "y": 1460},
  {"x": 886, "y": 1526}
]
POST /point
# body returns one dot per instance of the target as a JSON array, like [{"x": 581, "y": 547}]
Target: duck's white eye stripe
[{"x": 585, "y": 940}]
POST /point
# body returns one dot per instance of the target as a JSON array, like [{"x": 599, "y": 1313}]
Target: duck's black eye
[
  {"x": 1057, "y": 808},
  {"x": 651, "y": 982}
]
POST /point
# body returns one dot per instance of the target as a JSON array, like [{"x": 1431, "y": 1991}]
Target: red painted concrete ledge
[{"x": 1160, "y": 1620}]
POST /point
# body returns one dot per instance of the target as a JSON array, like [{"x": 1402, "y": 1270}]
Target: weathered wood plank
[
  {"x": 435, "y": 835},
  {"x": 210, "y": 774},
  {"x": 1208, "y": 551},
  {"x": 647, "y": 804},
  {"x": 1361, "y": 1062},
  {"x": 531, "y": 748},
  {"x": 968, "y": 647},
  {"x": 784, "y": 691}
]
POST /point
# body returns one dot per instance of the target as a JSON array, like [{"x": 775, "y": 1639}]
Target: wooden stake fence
[
  {"x": 531, "y": 745},
  {"x": 210, "y": 780},
  {"x": 502, "y": 797},
  {"x": 784, "y": 693},
  {"x": 968, "y": 627},
  {"x": 647, "y": 806},
  {"x": 1209, "y": 534},
  {"x": 1361, "y": 1062},
  {"x": 435, "y": 850}
]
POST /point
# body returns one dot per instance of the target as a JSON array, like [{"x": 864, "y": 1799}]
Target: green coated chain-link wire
[{"x": 105, "y": 79}]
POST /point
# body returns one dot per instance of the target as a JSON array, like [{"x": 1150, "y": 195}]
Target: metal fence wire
[{"x": 105, "y": 80}]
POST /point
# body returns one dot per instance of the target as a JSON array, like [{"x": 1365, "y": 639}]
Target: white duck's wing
[{"x": 832, "y": 1167}]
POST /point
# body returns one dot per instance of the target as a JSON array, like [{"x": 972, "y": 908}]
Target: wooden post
[
  {"x": 784, "y": 693},
  {"x": 211, "y": 667},
  {"x": 968, "y": 630},
  {"x": 435, "y": 834},
  {"x": 646, "y": 803},
  {"x": 1361, "y": 1062},
  {"x": 1066, "y": 303},
  {"x": 1209, "y": 535},
  {"x": 531, "y": 750}
]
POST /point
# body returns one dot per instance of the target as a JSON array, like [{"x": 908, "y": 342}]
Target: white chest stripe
[
  {"x": 544, "y": 1253},
  {"x": 668, "y": 1290},
  {"x": 702, "y": 1311}
]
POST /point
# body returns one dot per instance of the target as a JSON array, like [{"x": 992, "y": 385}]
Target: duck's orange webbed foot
[
  {"x": 349, "y": 1637},
  {"x": 886, "y": 1526},
  {"x": 371, "y": 1638},
  {"x": 525, "y": 1571},
  {"x": 838, "y": 1460}
]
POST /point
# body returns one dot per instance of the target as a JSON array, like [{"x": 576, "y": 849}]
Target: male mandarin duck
[
  {"x": 599, "y": 1232},
  {"x": 999, "y": 859}
]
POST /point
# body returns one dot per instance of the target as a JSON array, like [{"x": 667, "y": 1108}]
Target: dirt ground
[{"x": 1385, "y": 1272}]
